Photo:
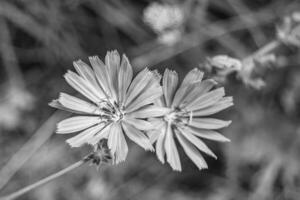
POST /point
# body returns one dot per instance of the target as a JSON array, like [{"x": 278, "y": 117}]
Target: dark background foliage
[{"x": 39, "y": 40}]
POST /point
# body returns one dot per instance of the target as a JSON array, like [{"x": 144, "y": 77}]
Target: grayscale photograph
[{"x": 149, "y": 100}]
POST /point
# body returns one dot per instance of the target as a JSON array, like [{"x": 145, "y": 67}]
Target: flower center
[
  {"x": 178, "y": 116},
  {"x": 171, "y": 117},
  {"x": 117, "y": 114},
  {"x": 112, "y": 111}
]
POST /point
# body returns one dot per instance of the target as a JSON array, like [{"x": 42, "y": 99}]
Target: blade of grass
[
  {"x": 29, "y": 148},
  {"x": 47, "y": 179}
]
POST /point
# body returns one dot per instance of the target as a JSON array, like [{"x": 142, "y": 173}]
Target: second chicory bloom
[{"x": 189, "y": 106}]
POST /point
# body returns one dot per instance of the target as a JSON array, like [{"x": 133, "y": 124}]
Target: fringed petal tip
[
  {"x": 54, "y": 103},
  {"x": 203, "y": 167},
  {"x": 176, "y": 169},
  {"x": 67, "y": 73},
  {"x": 167, "y": 70},
  {"x": 93, "y": 57},
  {"x": 113, "y": 52},
  {"x": 156, "y": 75},
  {"x": 214, "y": 82},
  {"x": 228, "y": 123},
  {"x": 56, "y": 129},
  {"x": 70, "y": 143},
  {"x": 76, "y": 63},
  {"x": 162, "y": 160},
  {"x": 193, "y": 76},
  {"x": 151, "y": 149}
]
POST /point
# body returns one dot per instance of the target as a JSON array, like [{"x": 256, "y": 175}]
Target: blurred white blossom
[
  {"x": 162, "y": 17},
  {"x": 225, "y": 62},
  {"x": 13, "y": 103},
  {"x": 170, "y": 37},
  {"x": 165, "y": 20},
  {"x": 117, "y": 104},
  {"x": 189, "y": 106},
  {"x": 289, "y": 31}
]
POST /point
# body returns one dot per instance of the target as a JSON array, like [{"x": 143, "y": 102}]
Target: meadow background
[{"x": 39, "y": 40}]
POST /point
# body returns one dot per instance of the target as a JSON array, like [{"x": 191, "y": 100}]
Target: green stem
[{"x": 43, "y": 181}]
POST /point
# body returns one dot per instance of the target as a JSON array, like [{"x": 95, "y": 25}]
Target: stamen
[{"x": 190, "y": 118}]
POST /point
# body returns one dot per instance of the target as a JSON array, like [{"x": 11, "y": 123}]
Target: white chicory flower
[
  {"x": 116, "y": 103},
  {"x": 190, "y": 105},
  {"x": 163, "y": 17},
  {"x": 224, "y": 62}
]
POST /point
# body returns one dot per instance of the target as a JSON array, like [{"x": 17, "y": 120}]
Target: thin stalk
[
  {"x": 267, "y": 48},
  {"x": 47, "y": 179}
]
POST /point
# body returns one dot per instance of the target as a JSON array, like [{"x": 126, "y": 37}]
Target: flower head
[
  {"x": 116, "y": 103},
  {"x": 224, "y": 62},
  {"x": 163, "y": 17},
  {"x": 189, "y": 106},
  {"x": 289, "y": 31},
  {"x": 165, "y": 20}
]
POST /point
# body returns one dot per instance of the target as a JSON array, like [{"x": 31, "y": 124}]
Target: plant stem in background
[
  {"x": 43, "y": 181},
  {"x": 39, "y": 138},
  {"x": 267, "y": 48}
]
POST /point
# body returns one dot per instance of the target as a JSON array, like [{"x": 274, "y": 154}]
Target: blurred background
[{"x": 39, "y": 40}]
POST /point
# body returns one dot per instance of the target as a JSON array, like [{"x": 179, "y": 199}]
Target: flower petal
[
  {"x": 160, "y": 102},
  {"x": 219, "y": 106},
  {"x": 147, "y": 97},
  {"x": 88, "y": 74},
  {"x": 140, "y": 124},
  {"x": 122, "y": 150},
  {"x": 137, "y": 136},
  {"x": 160, "y": 147},
  {"x": 112, "y": 138},
  {"x": 149, "y": 111},
  {"x": 197, "y": 142},
  {"x": 170, "y": 82},
  {"x": 74, "y": 124},
  {"x": 84, "y": 70},
  {"x": 159, "y": 126},
  {"x": 124, "y": 78},
  {"x": 82, "y": 86},
  {"x": 180, "y": 94},
  {"x": 55, "y": 104},
  {"x": 76, "y": 104},
  {"x": 191, "y": 152},
  {"x": 171, "y": 150},
  {"x": 197, "y": 89},
  {"x": 112, "y": 62},
  {"x": 138, "y": 84},
  {"x": 208, "y": 123},
  {"x": 104, "y": 133},
  {"x": 85, "y": 136},
  {"x": 117, "y": 143},
  {"x": 191, "y": 78},
  {"x": 102, "y": 74},
  {"x": 205, "y": 86},
  {"x": 208, "y": 134},
  {"x": 153, "y": 135},
  {"x": 206, "y": 100}
]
